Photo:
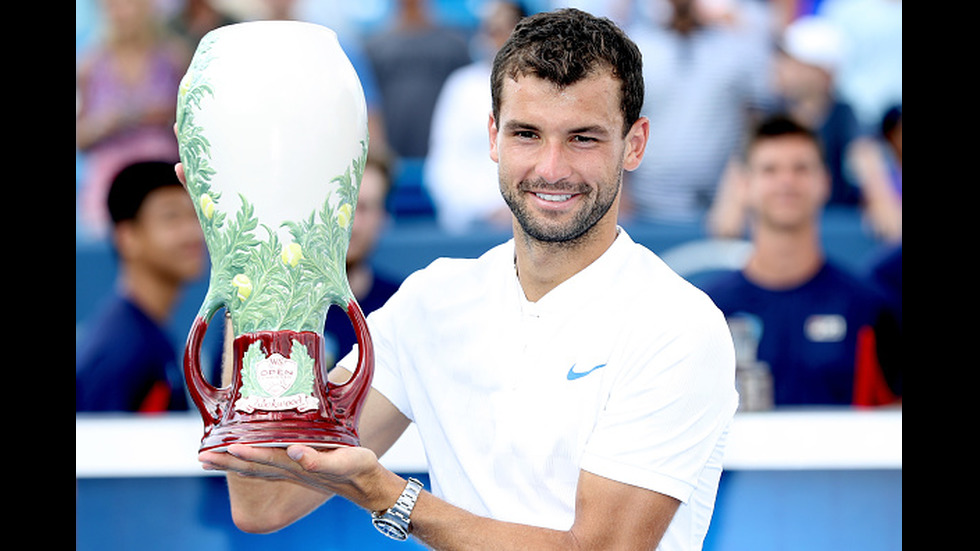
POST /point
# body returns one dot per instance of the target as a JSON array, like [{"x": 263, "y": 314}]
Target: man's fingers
[
  {"x": 247, "y": 460},
  {"x": 305, "y": 456},
  {"x": 179, "y": 170},
  {"x": 335, "y": 465},
  {"x": 268, "y": 456}
]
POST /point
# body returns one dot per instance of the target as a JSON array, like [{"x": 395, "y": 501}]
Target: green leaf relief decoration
[
  {"x": 265, "y": 284},
  {"x": 250, "y": 384}
]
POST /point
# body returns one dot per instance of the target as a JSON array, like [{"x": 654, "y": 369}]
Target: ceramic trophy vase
[{"x": 272, "y": 128}]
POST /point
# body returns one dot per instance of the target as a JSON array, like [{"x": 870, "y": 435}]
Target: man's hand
[
  {"x": 179, "y": 169},
  {"x": 352, "y": 472}
]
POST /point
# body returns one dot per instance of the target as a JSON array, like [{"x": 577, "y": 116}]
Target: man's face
[
  {"x": 788, "y": 184},
  {"x": 165, "y": 236},
  {"x": 561, "y": 153}
]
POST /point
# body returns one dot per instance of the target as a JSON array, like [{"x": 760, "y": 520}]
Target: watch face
[{"x": 390, "y": 529}]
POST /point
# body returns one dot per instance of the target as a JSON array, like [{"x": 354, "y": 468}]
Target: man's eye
[
  {"x": 525, "y": 134},
  {"x": 584, "y": 139}
]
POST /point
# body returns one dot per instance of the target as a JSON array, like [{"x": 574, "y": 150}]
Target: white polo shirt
[{"x": 625, "y": 370}]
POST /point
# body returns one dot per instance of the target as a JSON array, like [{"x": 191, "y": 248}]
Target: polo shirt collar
[{"x": 583, "y": 287}]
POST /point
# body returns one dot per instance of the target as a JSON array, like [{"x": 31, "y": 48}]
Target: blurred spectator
[
  {"x": 817, "y": 324},
  {"x": 411, "y": 61},
  {"x": 197, "y": 18},
  {"x": 127, "y": 99},
  {"x": 870, "y": 76},
  {"x": 886, "y": 275},
  {"x": 371, "y": 289},
  {"x": 459, "y": 174},
  {"x": 127, "y": 361},
  {"x": 705, "y": 80},
  {"x": 809, "y": 55},
  {"x": 891, "y": 135}
]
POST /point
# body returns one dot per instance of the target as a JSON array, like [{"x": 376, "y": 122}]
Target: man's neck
[
  {"x": 543, "y": 266},
  {"x": 785, "y": 259},
  {"x": 152, "y": 294}
]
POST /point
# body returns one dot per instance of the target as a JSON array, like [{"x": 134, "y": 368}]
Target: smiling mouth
[{"x": 553, "y": 197}]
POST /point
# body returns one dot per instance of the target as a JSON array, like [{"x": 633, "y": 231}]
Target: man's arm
[
  {"x": 882, "y": 205},
  {"x": 609, "y": 515},
  {"x": 270, "y": 488},
  {"x": 265, "y": 498}
]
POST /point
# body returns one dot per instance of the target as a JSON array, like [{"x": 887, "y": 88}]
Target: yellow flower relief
[
  {"x": 292, "y": 253},
  {"x": 243, "y": 284},
  {"x": 207, "y": 206},
  {"x": 344, "y": 215},
  {"x": 185, "y": 84}
]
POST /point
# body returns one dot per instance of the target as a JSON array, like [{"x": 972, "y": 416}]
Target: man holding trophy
[{"x": 570, "y": 390}]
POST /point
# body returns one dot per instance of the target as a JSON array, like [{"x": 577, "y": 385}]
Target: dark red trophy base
[
  {"x": 332, "y": 424},
  {"x": 277, "y": 434}
]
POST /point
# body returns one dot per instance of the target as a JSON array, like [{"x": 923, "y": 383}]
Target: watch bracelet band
[{"x": 406, "y": 502}]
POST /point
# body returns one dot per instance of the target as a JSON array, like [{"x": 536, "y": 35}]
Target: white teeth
[{"x": 555, "y": 198}]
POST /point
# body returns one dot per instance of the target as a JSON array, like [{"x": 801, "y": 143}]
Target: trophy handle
[
  {"x": 208, "y": 398},
  {"x": 348, "y": 397}
]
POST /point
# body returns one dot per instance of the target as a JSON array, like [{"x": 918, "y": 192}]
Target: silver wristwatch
[{"x": 395, "y": 522}]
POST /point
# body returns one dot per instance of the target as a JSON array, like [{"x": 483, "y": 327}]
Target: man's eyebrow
[
  {"x": 594, "y": 129},
  {"x": 513, "y": 126}
]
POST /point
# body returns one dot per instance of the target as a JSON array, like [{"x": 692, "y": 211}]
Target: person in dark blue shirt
[
  {"x": 814, "y": 322},
  {"x": 126, "y": 362}
]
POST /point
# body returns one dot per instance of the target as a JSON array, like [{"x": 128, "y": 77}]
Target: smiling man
[
  {"x": 560, "y": 179},
  {"x": 570, "y": 390},
  {"x": 561, "y": 154}
]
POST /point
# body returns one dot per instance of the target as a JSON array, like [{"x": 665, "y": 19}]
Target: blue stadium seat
[{"x": 409, "y": 197}]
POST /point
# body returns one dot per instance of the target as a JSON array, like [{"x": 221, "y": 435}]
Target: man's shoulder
[
  {"x": 647, "y": 284},
  {"x": 448, "y": 275}
]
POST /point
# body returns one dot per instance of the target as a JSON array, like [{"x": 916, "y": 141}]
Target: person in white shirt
[
  {"x": 571, "y": 391},
  {"x": 458, "y": 173}
]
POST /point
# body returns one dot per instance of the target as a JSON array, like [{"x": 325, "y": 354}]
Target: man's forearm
[
  {"x": 445, "y": 527},
  {"x": 262, "y": 506},
  {"x": 282, "y": 486},
  {"x": 608, "y": 515}
]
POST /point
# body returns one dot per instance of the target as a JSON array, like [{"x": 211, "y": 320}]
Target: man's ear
[
  {"x": 126, "y": 239},
  {"x": 492, "y": 131},
  {"x": 636, "y": 143}
]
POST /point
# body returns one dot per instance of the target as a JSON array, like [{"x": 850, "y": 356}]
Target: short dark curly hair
[
  {"x": 134, "y": 183},
  {"x": 781, "y": 125},
  {"x": 565, "y": 46}
]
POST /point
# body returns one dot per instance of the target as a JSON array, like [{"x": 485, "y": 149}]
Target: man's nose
[{"x": 553, "y": 163}]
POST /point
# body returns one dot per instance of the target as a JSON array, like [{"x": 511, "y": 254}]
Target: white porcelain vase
[{"x": 272, "y": 127}]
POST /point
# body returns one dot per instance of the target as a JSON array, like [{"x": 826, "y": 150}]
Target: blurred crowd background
[{"x": 423, "y": 64}]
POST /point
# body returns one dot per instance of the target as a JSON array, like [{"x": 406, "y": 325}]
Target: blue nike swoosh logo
[{"x": 572, "y": 374}]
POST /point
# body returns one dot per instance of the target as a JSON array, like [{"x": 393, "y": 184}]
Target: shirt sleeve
[{"x": 668, "y": 410}]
